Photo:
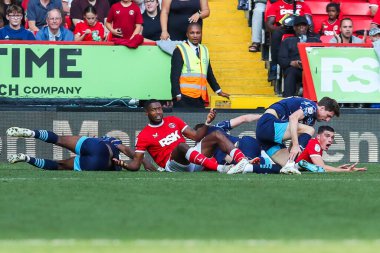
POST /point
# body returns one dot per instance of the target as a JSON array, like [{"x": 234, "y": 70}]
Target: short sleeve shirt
[
  {"x": 328, "y": 28},
  {"x": 288, "y": 106},
  {"x": 38, "y": 13},
  {"x": 313, "y": 148},
  {"x": 160, "y": 140},
  {"x": 96, "y": 30},
  {"x": 280, "y": 8}
]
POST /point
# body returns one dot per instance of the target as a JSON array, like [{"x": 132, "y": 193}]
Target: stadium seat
[
  {"x": 317, "y": 7},
  {"x": 355, "y": 9},
  {"x": 317, "y": 21}
]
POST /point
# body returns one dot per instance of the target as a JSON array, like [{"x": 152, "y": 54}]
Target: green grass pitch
[{"x": 50, "y": 211}]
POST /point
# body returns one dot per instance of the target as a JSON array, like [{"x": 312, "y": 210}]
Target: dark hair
[
  {"x": 193, "y": 24},
  {"x": 90, "y": 9},
  {"x": 334, "y": 5},
  {"x": 343, "y": 19},
  {"x": 321, "y": 129},
  {"x": 330, "y": 105},
  {"x": 3, "y": 8},
  {"x": 149, "y": 102},
  {"x": 14, "y": 8}
]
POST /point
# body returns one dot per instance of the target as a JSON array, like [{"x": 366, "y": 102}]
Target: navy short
[
  {"x": 92, "y": 154},
  {"x": 249, "y": 146},
  {"x": 270, "y": 132}
]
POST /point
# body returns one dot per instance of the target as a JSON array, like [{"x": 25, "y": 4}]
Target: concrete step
[
  {"x": 245, "y": 90},
  {"x": 236, "y": 81}
]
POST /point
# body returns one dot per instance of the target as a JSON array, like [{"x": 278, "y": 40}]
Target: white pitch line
[{"x": 187, "y": 242}]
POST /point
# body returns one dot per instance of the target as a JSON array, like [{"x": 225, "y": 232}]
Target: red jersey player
[
  {"x": 163, "y": 138},
  {"x": 311, "y": 158}
]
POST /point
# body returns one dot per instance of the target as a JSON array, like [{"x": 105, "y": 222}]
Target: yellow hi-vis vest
[{"x": 193, "y": 80}]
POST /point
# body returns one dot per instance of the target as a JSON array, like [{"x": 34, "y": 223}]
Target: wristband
[{"x": 207, "y": 124}]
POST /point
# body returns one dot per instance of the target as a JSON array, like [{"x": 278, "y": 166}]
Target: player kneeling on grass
[
  {"x": 311, "y": 158},
  {"x": 163, "y": 138},
  {"x": 92, "y": 153}
]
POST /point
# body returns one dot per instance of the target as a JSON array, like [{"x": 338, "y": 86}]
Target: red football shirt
[
  {"x": 328, "y": 28},
  {"x": 82, "y": 26},
  {"x": 160, "y": 140},
  {"x": 280, "y": 8},
  {"x": 313, "y": 148},
  {"x": 125, "y": 18}
]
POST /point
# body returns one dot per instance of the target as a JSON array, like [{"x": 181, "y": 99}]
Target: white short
[{"x": 173, "y": 166}]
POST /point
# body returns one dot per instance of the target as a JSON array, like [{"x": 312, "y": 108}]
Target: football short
[
  {"x": 270, "y": 132},
  {"x": 173, "y": 166},
  {"x": 92, "y": 154}
]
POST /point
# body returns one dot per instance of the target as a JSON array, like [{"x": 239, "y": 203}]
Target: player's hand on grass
[
  {"x": 294, "y": 152},
  {"x": 149, "y": 167},
  {"x": 351, "y": 167}
]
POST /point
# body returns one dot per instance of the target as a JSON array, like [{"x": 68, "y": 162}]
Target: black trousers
[
  {"x": 275, "y": 42},
  {"x": 189, "y": 102},
  {"x": 293, "y": 77}
]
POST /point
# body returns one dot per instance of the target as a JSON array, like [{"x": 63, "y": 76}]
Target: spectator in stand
[
  {"x": 125, "y": 21},
  {"x": 89, "y": 29},
  {"x": 289, "y": 57},
  {"x": 331, "y": 25},
  {"x": 373, "y": 6},
  {"x": 346, "y": 31},
  {"x": 14, "y": 30},
  {"x": 257, "y": 25},
  {"x": 151, "y": 17},
  {"x": 276, "y": 25},
  {"x": 177, "y": 14},
  {"x": 4, "y": 4},
  {"x": 189, "y": 78},
  {"x": 78, "y": 6},
  {"x": 37, "y": 12},
  {"x": 54, "y": 31}
]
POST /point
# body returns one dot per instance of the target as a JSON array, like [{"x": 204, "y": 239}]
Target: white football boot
[
  {"x": 290, "y": 169},
  {"x": 17, "y": 158},
  {"x": 239, "y": 167},
  {"x": 19, "y": 132}
]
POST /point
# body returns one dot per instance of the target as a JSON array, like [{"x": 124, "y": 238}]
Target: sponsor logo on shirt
[
  {"x": 117, "y": 12},
  {"x": 155, "y": 135},
  {"x": 173, "y": 137}
]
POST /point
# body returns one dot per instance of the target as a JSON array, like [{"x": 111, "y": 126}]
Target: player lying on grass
[
  {"x": 163, "y": 138},
  {"x": 247, "y": 144},
  {"x": 292, "y": 119},
  {"x": 92, "y": 153},
  {"x": 311, "y": 158}
]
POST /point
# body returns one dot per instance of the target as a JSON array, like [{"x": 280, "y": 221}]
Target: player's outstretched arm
[
  {"x": 130, "y": 153},
  {"x": 202, "y": 131},
  {"x": 133, "y": 165},
  {"x": 294, "y": 118},
  {"x": 317, "y": 160},
  {"x": 247, "y": 118}
]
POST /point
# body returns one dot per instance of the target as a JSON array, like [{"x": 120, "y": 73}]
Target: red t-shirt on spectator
[
  {"x": 82, "y": 26},
  {"x": 125, "y": 18},
  {"x": 328, "y": 28},
  {"x": 280, "y": 8},
  {"x": 313, "y": 148}
]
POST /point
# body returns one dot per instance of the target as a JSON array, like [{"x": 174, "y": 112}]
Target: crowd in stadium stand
[
  {"x": 131, "y": 22},
  {"x": 329, "y": 21}
]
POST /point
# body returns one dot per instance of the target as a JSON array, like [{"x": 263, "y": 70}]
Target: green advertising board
[
  {"x": 83, "y": 71},
  {"x": 346, "y": 74}
]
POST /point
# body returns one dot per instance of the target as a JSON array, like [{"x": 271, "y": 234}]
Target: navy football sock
[
  {"x": 43, "y": 163},
  {"x": 303, "y": 139},
  {"x": 46, "y": 136}
]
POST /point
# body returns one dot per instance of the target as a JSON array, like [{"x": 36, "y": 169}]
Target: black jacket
[{"x": 289, "y": 50}]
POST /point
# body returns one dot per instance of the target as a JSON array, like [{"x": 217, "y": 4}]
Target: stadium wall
[{"x": 357, "y": 132}]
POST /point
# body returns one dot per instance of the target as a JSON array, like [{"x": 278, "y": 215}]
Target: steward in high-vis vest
[{"x": 191, "y": 71}]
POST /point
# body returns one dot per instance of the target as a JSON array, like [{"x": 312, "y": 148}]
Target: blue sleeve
[
  {"x": 31, "y": 12},
  {"x": 39, "y": 35},
  {"x": 224, "y": 125}
]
